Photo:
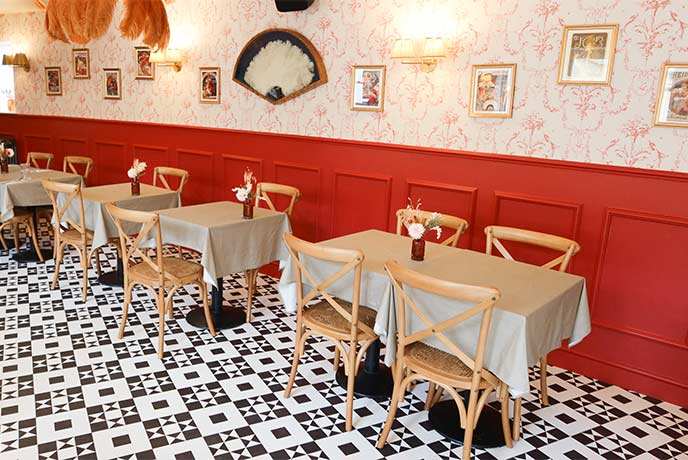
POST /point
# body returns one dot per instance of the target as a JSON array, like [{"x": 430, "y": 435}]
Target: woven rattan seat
[
  {"x": 424, "y": 358},
  {"x": 324, "y": 316},
  {"x": 179, "y": 268},
  {"x": 73, "y": 235}
]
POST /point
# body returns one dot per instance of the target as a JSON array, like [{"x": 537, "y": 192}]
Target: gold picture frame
[
  {"x": 368, "y": 88},
  {"x": 53, "y": 81},
  {"x": 587, "y": 54},
  {"x": 210, "y": 84},
  {"x": 492, "y": 90},
  {"x": 81, "y": 63},
  {"x": 145, "y": 70},
  {"x": 671, "y": 108},
  {"x": 112, "y": 83}
]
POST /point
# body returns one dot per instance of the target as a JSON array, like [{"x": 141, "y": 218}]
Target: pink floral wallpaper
[{"x": 594, "y": 124}]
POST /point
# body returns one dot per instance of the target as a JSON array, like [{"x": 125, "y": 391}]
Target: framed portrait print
[
  {"x": 492, "y": 90},
  {"x": 53, "y": 81},
  {"x": 81, "y": 63},
  {"x": 145, "y": 69},
  {"x": 672, "y": 97},
  {"x": 113, "y": 84},
  {"x": 368, "y": 88},
  {"x": 587, "y": 54},
  {"x": 210, "y": 85}
]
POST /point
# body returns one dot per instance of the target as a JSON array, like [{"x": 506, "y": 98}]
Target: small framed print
[
  {"x": 53, "y": 81},
  {"x": 113, "y": 83},
  {"x": 587, "y": 54},
  {"x": 81, "y": 63},
  {"x": 672, "y": 97},
  {"x": 368, "y": 88},
  {"x": 210, "y": 85},
  {"x": 145, "y": 69},
  {"x": 492, "y": 90}
]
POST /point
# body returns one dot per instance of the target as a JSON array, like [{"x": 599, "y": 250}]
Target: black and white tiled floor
[{"x": 70, "y": 389}]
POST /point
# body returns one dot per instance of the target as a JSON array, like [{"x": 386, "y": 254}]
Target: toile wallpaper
[{"x": 592, "y": 124}]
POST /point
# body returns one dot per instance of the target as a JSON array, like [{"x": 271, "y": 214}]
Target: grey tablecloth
[
  {"x": 538, "y": 309},
  {"x": 228, "y": 243},
  {"x": 99, "y": 221},
  {"x": 15, "y": 192}
]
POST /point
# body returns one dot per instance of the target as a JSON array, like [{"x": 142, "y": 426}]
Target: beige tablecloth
[
  {"x": 228, "y": 243},
  {"x": 99, "y": 221},
  {"x": 15, "y": 192},
  {"x": 538, "y": 309}
]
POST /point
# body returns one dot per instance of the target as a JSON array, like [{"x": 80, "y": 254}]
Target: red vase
[
  {"x": 4, "y": 167},
  {"x": 418, "y": 249},
  {"x": 248, "y": 210},
  {"x": 136, "y": 188}
]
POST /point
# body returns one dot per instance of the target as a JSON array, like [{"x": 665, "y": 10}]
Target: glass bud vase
[
  {"x": 418, "y": 249},
  {"x": 248, "y": 209},
  {"x": 135, "y": 188},
  {"x": 4, "y": 167}
]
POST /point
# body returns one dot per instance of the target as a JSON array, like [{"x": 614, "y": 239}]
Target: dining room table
[
  {"x": 98, "y": 220},
  {"x": 21, "y": 188},
  {"x": 538, "y": 309},
  {"x": 228, "y": 244}
]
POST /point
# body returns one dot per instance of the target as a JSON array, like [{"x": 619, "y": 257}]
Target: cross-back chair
[
  {"x": 74, "y": 163},
  {"x": 74, "y": 233},
  {"x": 21, "y": 217},
  {"x": 161, "y": 174},
  {"x": 39, "y": 160},
  {"x": 455, "y": 223},
  {"x": 265, "y": 189},
  {"x": 346, "y": 324},
  {"x": 157, "y": 273},
  {"x": 451, "y": 369},
  {"x": 495, "y": 235}
]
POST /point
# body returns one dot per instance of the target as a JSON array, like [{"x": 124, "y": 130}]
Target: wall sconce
[
  {"x": 16, "y": 60},
  {"x": 169, "y": 57},
  {"x": 423, "y": 51}
]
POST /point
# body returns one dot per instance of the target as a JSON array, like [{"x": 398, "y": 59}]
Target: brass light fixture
[
  {"x": 169, "y": 57},
  {"x": 423, "y": 51},
  {"x": 16, "y": 60}
]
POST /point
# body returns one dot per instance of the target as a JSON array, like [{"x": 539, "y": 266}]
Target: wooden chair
[
  {"x": 21, "y": 217},
  {"x": 495, "y": 235},
  {"x": 450, "y": 370},
  {"x": 74, "y": 234},
  {"x": 162, "y": 173},
  {"x": 74, "y": 163},
  {"x": 343, "y": 323},
  {"x": 456, "y": 223},
  {"x": 39, "y": 160},
  {"x": 156, "y": 273}
]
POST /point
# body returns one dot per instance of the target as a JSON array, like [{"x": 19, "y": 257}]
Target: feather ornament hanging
[
  {"x": 279, "y": 69},
  {"x": 78, "y": 21},
  {"x": 147, "y": 18}
]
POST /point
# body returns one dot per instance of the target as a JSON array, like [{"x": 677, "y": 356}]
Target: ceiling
[{"x": 17, "y": 6}]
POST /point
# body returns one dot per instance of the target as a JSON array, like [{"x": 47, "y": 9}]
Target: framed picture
[
  {"x": 210, "y": 85},
  {"x": 81, "y": 63},
  {"x": 113, "y": 83},
  {"x": 53, "y": 81},
  {"x": 368, "y": 88},
  {"x": 145, "y": 69},
  {"x": 672, "y": 96},
  {"x": 492, "y": 90},
  {"x": 587, "y": 54}
]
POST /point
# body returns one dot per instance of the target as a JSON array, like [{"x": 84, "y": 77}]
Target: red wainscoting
[{"x": 632, "y": 224}]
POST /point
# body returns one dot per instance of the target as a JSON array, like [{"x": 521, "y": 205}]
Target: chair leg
[
  {"x": 250, "y": 278},
  {"x": 336, "y": 358},
  {"x": 59, "y": 254},
  {"x": 393, "y": 404},
  {"x": 125, "y": 309},
  {"x": 84, "y": 267},
  {"x": 350, "y": 380},
  {"x": 161, "y": 322},
  {"x": 297, "y": 355},
  {"x": 15, "y": 236},
  {"x": 430, "y": 397},
  {"x": 206, "y": 307},
  {"x": 516, "y": 430},
  {"x": 470, "y": 425},
  {"x": 34, "y": 239},
  {"x": 506, "y": 428},
  {"x": 544, "y": 397},
  {"x": 181, "y": 254}
]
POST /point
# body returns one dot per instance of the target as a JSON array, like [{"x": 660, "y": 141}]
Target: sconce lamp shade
[
  {"x": 169, "y": 57},
  {"x": 20, "y": 60},
  {"x": 7, "y": 59},
  {"x": 403, "y": 49},
  {"x": 424, "y": 51},
  {"x": 16, "y": 60},
  {"x": 434, "y": 48}
]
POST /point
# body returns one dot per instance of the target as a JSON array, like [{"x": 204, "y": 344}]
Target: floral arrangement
[
  {"x": 136, "y": 170},
  {"x": 246, "y": 192},
  {"x": 5, "y": 153},
  {"x": 416, "y": 226}
]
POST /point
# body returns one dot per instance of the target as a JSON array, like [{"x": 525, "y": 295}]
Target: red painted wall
[{"x": 632, "y": 224}]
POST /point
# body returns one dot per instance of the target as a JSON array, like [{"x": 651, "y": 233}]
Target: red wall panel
[{"x": 632, "y": 227}]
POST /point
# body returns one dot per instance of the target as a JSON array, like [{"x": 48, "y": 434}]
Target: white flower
[
  {"x": 241, "y": 193},
  {"x": 10, "y": 153},
  {"x": 438, "y": 229},
  {"x": 132, "y": 173},
  {"x": 141, "y": 167},
  {"x": 416, "y": 230}
]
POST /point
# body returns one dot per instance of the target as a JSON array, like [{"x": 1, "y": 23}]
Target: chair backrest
[
  {"x": 351, "y": 261},
  {"x": 456, "y": 223},
  {"x": 482, "y": 298},
  {"x": 263, "y": 189},
  {"x": 569, "y": 248},
  {"x": 130, "y": 244},
  {"x": 74, "y": 163},
  {"x": 163, "y": 172},
  {"x": 35, "y": 158},
  {"x": 72, "y": 192}
]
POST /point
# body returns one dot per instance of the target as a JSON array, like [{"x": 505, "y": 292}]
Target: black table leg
[
  {"x": 444, "y": 417},
  {"x": 30, "y": 254},
  {"x": 224, "y": 317},
  {"x": 374, "y": 379},
  {"x": 114, "y": 278}
]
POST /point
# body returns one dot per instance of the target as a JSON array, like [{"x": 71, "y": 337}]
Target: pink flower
[
  {"x": 533, "y": 123},
  {"x": 416, "y": 230},
  {"x": 635, "y": 129}
]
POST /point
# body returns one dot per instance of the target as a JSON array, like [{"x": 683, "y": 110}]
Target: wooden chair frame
[
  {"x": 263, "y": 189},
  {"x": 163, "y": 172},
  {"x": 70, "y": 162},
  {"x": 34, "y": 158},
  {"x": 456, "y": 223},
  {"x": 21, "y": 218},
  {"x": 568, "y": 247},
  {"x": 406, "y": 372},
  {"x": 63, "y": 236},
  {"x": 351, "y": 261},
  {"x": 131, "y": 250}
]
